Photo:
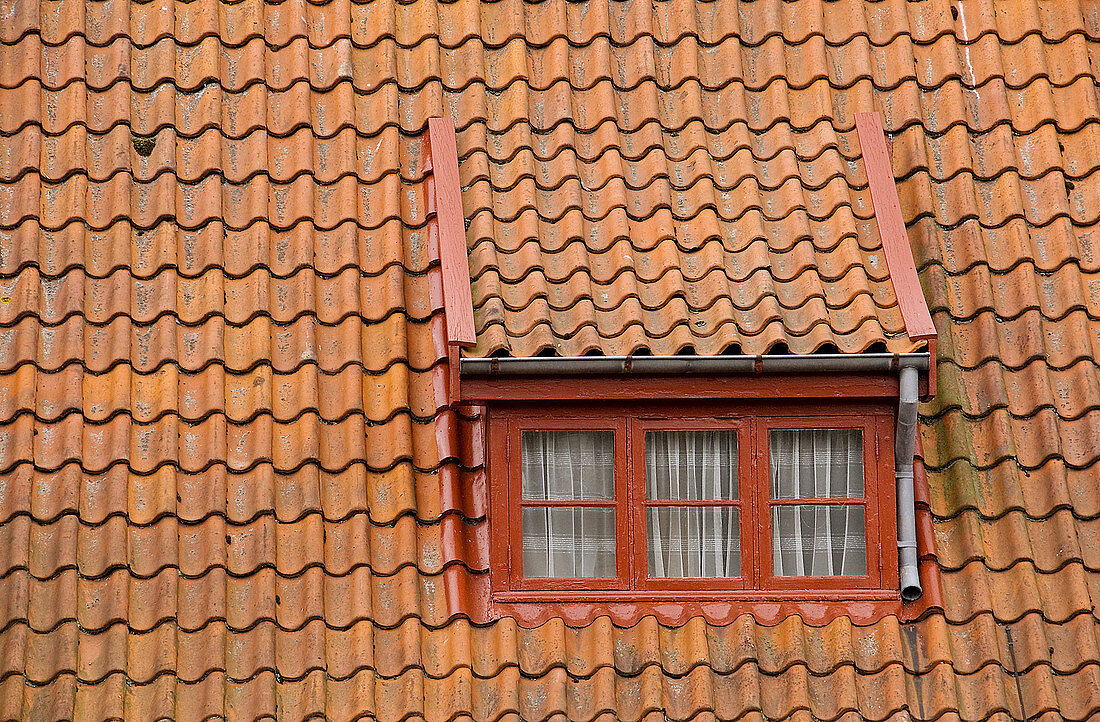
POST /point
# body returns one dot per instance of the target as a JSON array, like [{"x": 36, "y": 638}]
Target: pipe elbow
[{"x": 911, "y": 589}]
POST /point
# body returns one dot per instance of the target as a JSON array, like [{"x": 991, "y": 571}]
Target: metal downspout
[{"x": 905, "y": 441}]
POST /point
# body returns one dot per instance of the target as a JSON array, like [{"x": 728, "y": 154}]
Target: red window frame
[
  {"x": 872, "y": 516},
  {"x": 517, "y": 504},
  {"x": 639, "y": 503},
  {"x": 630, "y": 420}
]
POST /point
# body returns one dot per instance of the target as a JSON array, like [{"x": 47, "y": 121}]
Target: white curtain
[
  {"x": 567, "y": 541},
  {"x": 817, "y": 539},
  {"x": 692, "y": 541}
]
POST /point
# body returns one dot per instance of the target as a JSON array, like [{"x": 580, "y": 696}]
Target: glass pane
[
  {"x": 694, "y": 541},
  {"x": 811, "y": 540},
  {"x": 691, "y": 465},
  {"x": 568, "y": 542},
  {"x": 568, "y": 465},
  {"x": 816, "y": 463}
]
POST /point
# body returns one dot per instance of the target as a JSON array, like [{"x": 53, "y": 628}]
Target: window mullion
[
  {"x": 624, "y": 490},
  {"x": 882, "y": 517},
  {"x": 515, "y": 514},
  {"x": 753, "y": 497}
]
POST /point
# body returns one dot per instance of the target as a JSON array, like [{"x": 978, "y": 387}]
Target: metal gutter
[{"x": 742, "y": 364}]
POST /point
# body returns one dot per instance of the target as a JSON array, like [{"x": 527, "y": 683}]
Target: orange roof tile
[
  {"x": 714, "y": 240},
  {"x": 230, "y": 481}
]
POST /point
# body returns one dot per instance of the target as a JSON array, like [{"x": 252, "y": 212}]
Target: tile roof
[
  {"x": 230, "y": 483},
  {"x": 664, "y": 238}
]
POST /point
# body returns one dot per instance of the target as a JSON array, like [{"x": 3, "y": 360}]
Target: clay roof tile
[{"x": 231, "y": 482}]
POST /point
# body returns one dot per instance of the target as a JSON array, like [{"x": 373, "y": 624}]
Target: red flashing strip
[
  {"x": 457, "y": 300},
  {"x": 891, "y": 228}
]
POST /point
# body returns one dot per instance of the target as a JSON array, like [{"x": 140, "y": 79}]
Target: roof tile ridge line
[
  {"x": 891, "y": 225},
  {"x": 451, "y": 231}
]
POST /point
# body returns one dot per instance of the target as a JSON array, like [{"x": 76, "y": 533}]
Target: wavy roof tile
[
  {"x": 230, "y": 481},
  {"x": 693, "y": 232}
]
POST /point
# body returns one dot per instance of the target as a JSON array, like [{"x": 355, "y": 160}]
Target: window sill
[
  {"x": 755, "y": 596},
  {"x": 531, "y": 609}
]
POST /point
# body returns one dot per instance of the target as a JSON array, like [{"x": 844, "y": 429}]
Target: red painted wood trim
[
  {"x": 601, "y": 389},
  {"x": 457, "y": 299},
  {"x": 928, "y": 386},
  {"x": 891, "y": 228}
]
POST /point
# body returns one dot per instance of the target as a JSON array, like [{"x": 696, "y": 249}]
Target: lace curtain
[
  {"x": 702, "y": 540},
  {"x": 692, "y": 541},
  {"x": 817, "y": 539},
  {"x": 568, "y": 541}
]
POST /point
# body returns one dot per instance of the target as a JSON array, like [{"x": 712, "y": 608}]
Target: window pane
[
  {"x": 568, "y": 542},
  {"x": 817, "y": 464},
  {"x": 819, "y": 541},
  {"x": 691, "y": 465},
  {"x": 568, "y": 465},
  {"x": 694, "y": 541}
]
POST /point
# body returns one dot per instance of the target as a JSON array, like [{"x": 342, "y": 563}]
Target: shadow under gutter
[{"x": 908, "y": 366}]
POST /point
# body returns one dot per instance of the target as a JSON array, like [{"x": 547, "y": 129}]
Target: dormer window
[{"x": 652, "y": 484}]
